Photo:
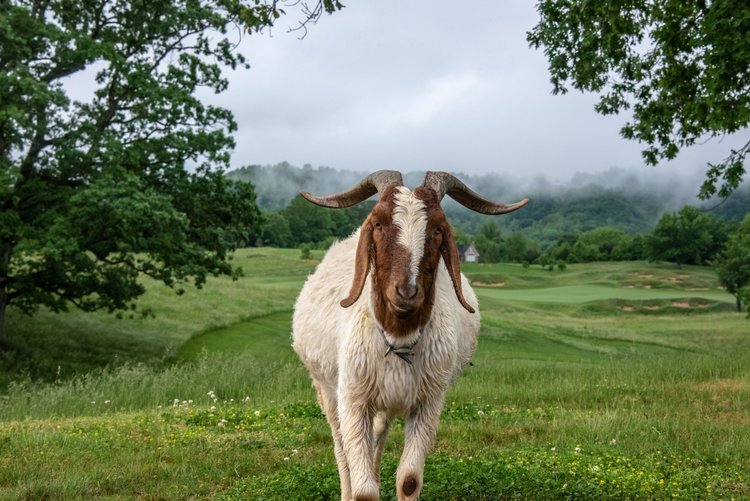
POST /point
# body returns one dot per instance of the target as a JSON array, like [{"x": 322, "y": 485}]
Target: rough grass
[{"x": 568, "y": 397}]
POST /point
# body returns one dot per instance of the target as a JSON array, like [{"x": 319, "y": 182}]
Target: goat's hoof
[{"x": 409, "y": 486}]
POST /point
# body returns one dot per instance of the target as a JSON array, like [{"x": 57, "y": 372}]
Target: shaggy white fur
[{"x": 359, "y": 389}]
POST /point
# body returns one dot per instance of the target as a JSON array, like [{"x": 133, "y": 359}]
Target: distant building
[{"x": 468, "y": 253}]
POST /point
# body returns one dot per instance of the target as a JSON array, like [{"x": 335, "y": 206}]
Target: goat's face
[{"x": 402, "y": 240}]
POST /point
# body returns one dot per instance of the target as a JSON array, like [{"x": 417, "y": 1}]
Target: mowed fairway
[{"x": 608, "y": 380}]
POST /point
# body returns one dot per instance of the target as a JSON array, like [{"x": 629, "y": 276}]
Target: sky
[{"x": 424, "y": 85}]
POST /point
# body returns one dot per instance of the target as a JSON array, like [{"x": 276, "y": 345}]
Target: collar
[{"x": 403, "y": 352}]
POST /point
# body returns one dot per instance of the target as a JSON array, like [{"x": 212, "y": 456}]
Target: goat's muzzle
[{"x": 405, "y": 299}]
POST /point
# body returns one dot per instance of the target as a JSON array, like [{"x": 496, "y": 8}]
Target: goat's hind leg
[{"x": 328, "y": 404}]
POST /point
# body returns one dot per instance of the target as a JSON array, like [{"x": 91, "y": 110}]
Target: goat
[{"x": 419, "y": 311}]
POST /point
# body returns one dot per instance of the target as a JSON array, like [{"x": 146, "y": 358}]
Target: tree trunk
[{"x": 739, "y": 309}]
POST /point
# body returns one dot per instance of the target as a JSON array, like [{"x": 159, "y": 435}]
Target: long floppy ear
[
  {"x": 361, "y": 264},
  {"x": 450, "y": 255}
]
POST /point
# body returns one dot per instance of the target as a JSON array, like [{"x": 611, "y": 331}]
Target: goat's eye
[
  {"x": 377, "y": 225},
  {"x": 438, "y": 231}
]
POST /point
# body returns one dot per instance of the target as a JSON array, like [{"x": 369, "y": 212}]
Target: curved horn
[
  {"x": 447, "y": 184},
  {"x": 376, "y": 182}
]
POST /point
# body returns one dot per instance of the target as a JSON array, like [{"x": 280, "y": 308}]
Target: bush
[{"x": 305, "y": 251}]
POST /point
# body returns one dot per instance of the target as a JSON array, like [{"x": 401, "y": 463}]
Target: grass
[{"x": 587, "y": 383}]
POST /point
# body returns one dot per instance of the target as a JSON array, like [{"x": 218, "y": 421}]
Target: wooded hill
[{"x": 628, "y": 201}]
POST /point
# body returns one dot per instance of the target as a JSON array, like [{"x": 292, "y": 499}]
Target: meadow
[{"x": 605, "y": 380}]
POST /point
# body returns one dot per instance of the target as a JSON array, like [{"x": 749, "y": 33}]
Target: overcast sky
[{"x": 424, "y": 85}]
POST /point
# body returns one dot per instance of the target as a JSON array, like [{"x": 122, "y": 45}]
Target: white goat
[{"x": 397, "y": 350}]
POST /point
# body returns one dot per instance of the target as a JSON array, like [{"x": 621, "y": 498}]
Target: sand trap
[
  {"x": 494, "y": 284},
  {"x": 627, "y": 308},
  {"x": 680, "y": 304},
  {"x": 643, "y": 275}
]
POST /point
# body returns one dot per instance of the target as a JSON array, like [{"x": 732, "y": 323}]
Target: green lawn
[{"x": 609, "y": 380}]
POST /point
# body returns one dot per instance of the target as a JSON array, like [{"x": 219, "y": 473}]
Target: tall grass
[{"x": 128, "y": 388}]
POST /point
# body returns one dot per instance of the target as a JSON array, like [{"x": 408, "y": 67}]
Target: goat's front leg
[
  {"x": 419, "y": 434},
  {"x": 381, "y": 427},
  {"x": 356, "y": 420}
]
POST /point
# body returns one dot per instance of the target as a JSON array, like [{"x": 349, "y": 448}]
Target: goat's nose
[{"x": 406, "y": 291}]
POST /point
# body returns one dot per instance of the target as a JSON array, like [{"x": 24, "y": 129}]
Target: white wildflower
[{"x": 577, "y": 450}]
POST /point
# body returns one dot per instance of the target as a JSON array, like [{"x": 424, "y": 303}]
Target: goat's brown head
[{"x": 402, "y": 241}]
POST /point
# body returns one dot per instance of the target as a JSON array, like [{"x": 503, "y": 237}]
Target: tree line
[{"x": 687, "y": 236}]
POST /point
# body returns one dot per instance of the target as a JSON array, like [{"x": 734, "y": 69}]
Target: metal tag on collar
[{"x": 404, "y": 354}]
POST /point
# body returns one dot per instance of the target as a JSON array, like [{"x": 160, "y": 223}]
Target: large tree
[
  {"x": 733, "y": 265},
  {"x": 125, "y": 179},
  {"x": 682, "y": 68},
  {"x": 687, "y": 236}
]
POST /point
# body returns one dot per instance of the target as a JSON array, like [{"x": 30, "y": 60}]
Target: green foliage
[
  {"x": 489, "y": 242},
  {"x": 301, "y": 222},
  {"x": 680, "y": 68},
  {"x": 688, "y": 236},
  {"x": 600, "y": 244},
  {"x": 275, "y": 231},
  {"x": 128, "y": 181},
  {"x": 305, "y": 251},
  {"x": 733, "y": 264},
  {"x": 520, "y": 250}
]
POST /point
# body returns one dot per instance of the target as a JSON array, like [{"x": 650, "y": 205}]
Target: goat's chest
[{"x": 400, "y": 385}]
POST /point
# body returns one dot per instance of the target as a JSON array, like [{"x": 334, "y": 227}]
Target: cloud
[{"x": 418, "y": 85}]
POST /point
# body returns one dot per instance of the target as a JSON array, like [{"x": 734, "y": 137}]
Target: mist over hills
[{"x": 632, "y": 201}]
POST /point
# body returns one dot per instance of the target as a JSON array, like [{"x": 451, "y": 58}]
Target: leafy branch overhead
[
  {"x": 682, "y": 69},
  {"x": 110, "y": 165}
]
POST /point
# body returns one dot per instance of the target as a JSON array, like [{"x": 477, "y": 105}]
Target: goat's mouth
[{"x": 402, "y": 310}]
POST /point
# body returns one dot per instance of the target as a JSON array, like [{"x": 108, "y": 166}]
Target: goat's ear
[
  {"x": 361, "y": 264},
  {"x": 450, "y": 255}
]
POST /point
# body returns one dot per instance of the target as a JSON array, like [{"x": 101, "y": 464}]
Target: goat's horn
[
  {"x": 447, "y": 184},
  {"x": 377, "y": 182}
]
